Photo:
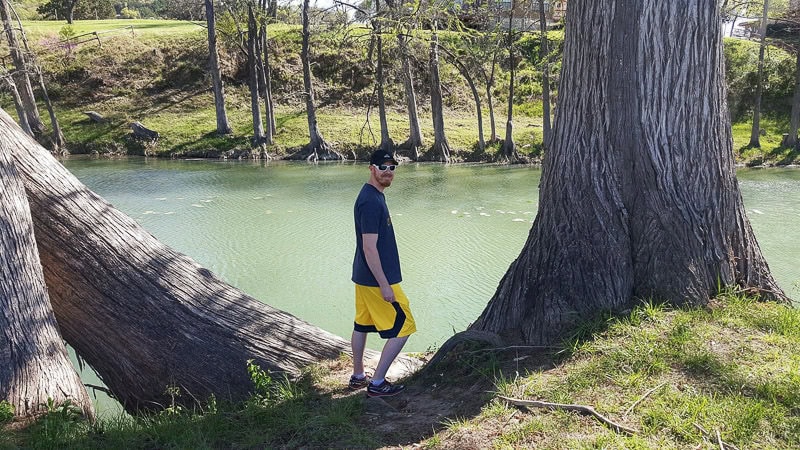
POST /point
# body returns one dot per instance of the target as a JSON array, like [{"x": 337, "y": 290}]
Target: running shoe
[
  {"x": 358, "y": 383},
  {"x": 384, "y": 389}
]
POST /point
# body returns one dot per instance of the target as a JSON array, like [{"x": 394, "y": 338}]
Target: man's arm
[{"x": 370, "y": 244}]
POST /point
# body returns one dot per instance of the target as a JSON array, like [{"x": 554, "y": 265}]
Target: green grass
[
  {"x": 770, "y": 151},
  {"x": 733, "y": 368},
  {"x": 38, "y": 28},
  {"x": 678, "y": 377}
]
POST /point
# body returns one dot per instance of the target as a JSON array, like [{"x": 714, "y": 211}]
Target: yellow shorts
[{"x": 374, "y": 314}]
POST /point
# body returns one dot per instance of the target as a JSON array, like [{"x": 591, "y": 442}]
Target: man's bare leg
[
  {"x": 391, "y": 349},
  {"x": 358, "y": 341}
]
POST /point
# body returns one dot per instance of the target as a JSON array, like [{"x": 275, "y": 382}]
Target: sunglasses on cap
[{"x": 383, "y": 167}]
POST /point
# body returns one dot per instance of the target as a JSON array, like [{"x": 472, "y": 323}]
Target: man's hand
[{"x": 388, "y": 294}]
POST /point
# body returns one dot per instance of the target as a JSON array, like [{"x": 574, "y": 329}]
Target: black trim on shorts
[
  {"x": 399, "y": 320},
  {"x": 364, "y": 328}
]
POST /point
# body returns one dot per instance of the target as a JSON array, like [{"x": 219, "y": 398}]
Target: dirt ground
[{"x": 456, "y": 388}]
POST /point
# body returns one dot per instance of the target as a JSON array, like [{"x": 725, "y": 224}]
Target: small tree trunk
[
  {"x": 489, "y": 79},
  {"x": 756, "y": 130},
  {"x": 266, "y": 78},
  {"x": 441, "y": 149},
  {"x": 144, "y": 316},
  {"x": 20, "y": 108},
  {"x": 34, "y": 366},
  {"x": 59, "y": 142},
  {"x": 213, "y": 66},
  {"x": 316, "y": 148},
  {"x": 792, "y": 140},
  {"x": 476, "y": 97},
  {"x": 545, "y": 55},
  {"x": 386, "y": 141},
  {"x": 414, "y": 142},
  {"x": 20, "y": 74},
  {"x": 509, "y": 153},
  {"x": 252, "y": 61}
]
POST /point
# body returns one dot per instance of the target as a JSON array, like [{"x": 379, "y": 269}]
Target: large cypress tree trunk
[
  {"x": 34, "y": 365},
  {"x": 141, "y": 314},
  {"x": 638, "y": 197}
]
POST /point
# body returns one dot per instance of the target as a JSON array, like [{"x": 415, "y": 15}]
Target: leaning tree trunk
[
  {"x": 441, "y": 148},
  {"x": 213, "y": 66},
  {"x": 462, "y": 69},
  {"x": 34, "y": 365},
  {"x": 141, "y": 314},
  {"x": 639, "y": 197},
  {"x": 20, "y": 74}
]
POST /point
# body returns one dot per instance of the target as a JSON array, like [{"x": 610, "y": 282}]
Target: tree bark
[
  {"x": 440, "y": 150},
  {"x": 34, "y": 365},
  {"x": 144, "y": 316},
  {"x": 756, "y": 129},
  {"x": 223, "y": 127},
  {"x": 639, "y": 197},
  {"x": 20, "y": 74}
]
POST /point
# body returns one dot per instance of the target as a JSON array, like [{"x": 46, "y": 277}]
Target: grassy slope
[
  {"x": 680, "y": 378},
  {"x": 158, "y": 78},
  {"x": 149, "y": 80}
]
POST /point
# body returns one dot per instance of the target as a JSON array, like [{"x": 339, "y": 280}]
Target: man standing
[{"x": 381, "y": 305}]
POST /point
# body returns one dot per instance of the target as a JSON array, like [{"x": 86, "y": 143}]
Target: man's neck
[{"x": 374, "y": 183}]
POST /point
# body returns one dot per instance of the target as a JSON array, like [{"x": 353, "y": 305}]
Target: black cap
[{"x": 381, "y": 157}]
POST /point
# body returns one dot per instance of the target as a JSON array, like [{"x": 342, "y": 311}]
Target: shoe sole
[{"x": 381, "y": 394}]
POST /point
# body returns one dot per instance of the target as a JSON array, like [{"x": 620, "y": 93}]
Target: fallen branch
[
  {"x": 646, "y": 394},
  {"x": 578, "y": 408},
  {"x": 715, "y": 438}
]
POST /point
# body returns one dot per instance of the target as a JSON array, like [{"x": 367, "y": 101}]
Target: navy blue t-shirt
[{"x": 372, "y": 217}]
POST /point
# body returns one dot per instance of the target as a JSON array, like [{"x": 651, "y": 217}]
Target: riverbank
[
  {"x": 727, "y": 374},
  {"x": 153, "y": 72}
]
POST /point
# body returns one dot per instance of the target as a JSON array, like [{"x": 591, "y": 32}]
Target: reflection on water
[{"x": 283, "y": 232}]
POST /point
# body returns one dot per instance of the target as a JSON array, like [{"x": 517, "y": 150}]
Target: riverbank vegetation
[
  {"x": 155, "y": 72},
  {"x": 724, "y": 375}
]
